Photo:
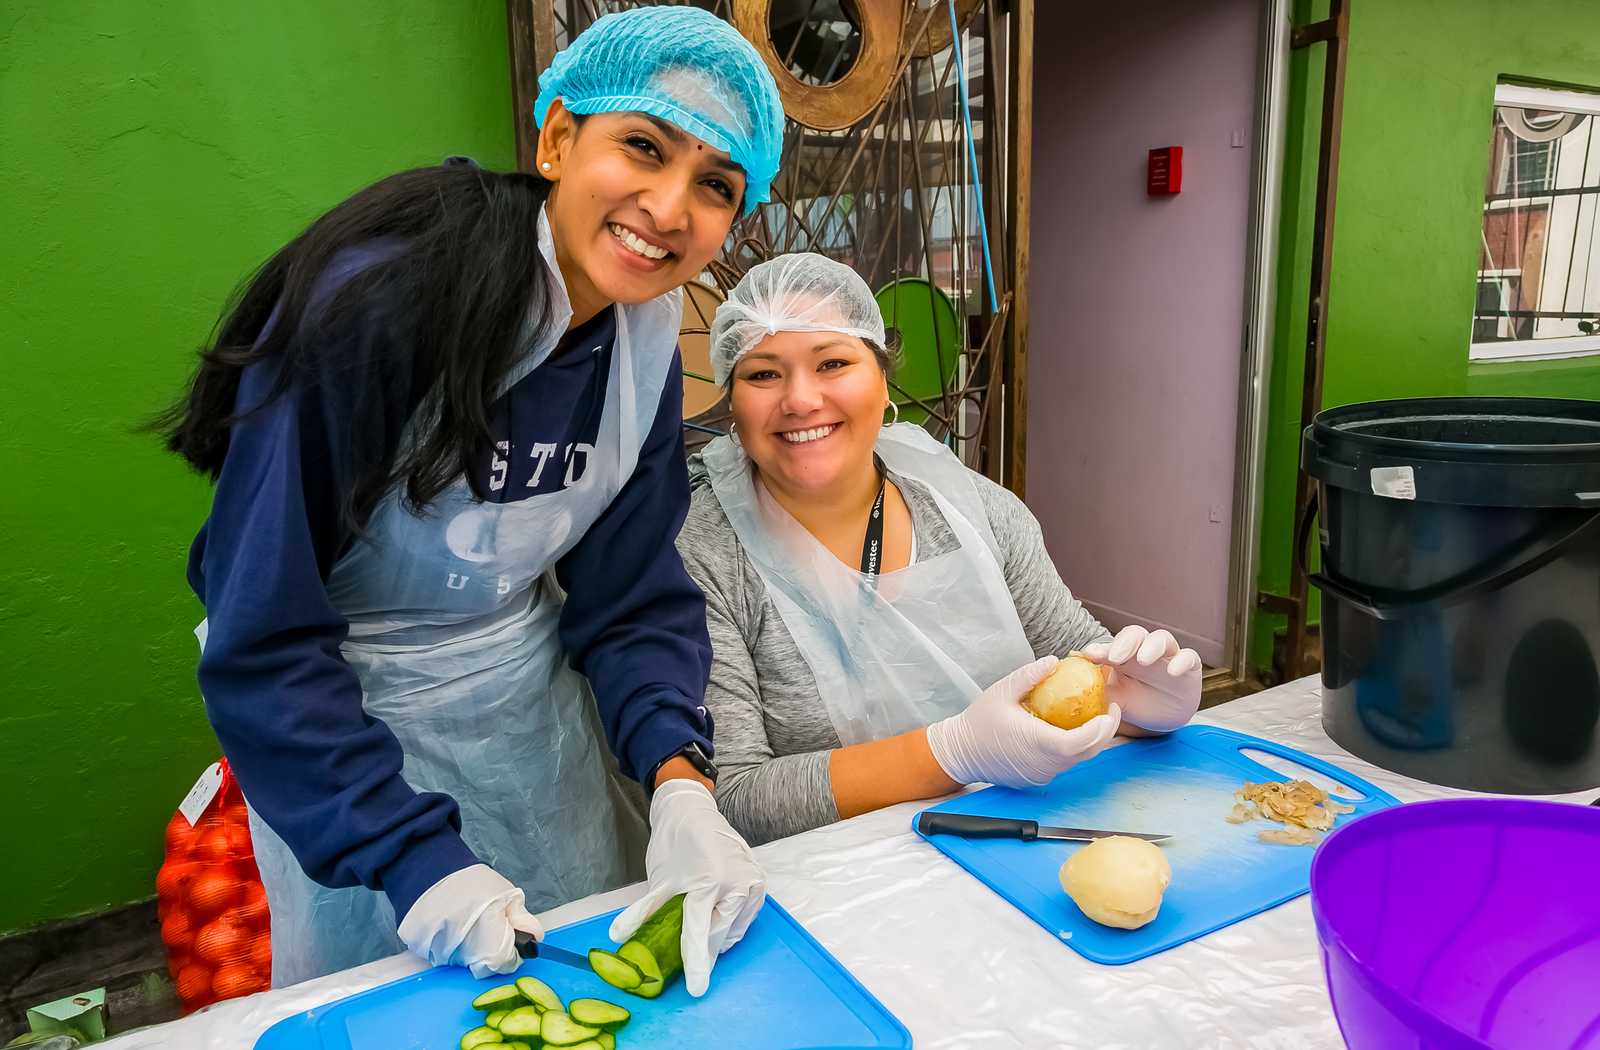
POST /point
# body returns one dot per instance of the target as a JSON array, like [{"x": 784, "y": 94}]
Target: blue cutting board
[
  {"x": 1180, "y": 785},
  {"x": 775, "y": 990}
]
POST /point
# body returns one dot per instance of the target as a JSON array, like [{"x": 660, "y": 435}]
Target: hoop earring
[
  {"x": 733, "y": 434},
  {"x": 895, "y": 418}
]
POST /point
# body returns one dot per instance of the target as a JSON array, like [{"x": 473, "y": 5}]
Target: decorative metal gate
[{"x": 894, "y": 163}]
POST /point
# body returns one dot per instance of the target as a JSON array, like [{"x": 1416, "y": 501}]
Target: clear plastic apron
[
  {"x": 453, "y": 632},
  {"x": 894, "y": 652}
]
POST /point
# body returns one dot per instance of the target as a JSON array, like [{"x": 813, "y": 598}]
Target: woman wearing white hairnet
[
  {"x": 877, "y": 610},
  {"x": 439, "y": 574}
]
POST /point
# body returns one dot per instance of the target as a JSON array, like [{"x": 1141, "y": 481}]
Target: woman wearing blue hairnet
[
  {"x": 439, "y": 571},
  {"x": 877, "y": 609}
]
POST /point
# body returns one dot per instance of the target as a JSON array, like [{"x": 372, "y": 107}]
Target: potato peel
[
  {"x": 1304, "y": 809},
  {"x": 1290, "y": 836}
]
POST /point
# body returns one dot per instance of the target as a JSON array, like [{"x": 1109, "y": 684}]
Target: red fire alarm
[{"x": 1164, "y": 176}]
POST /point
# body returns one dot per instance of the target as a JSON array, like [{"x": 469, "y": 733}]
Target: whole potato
[{"x": 1074, "y": 693}]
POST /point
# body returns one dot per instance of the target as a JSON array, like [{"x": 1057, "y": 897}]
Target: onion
[
  {"x": 253, "y": 910},
  {"x": 175, "y": 877},
  {"x": 194, "y": 985},
  {"x": 261, "y": 953},
  {"x": 214, "y": 847},
  {"x": 212, "y": 892},
  {"x": 177, "y": 932},
  {"x": 230, "y": 982},
  {"x": 180, "y": 836},
  {"x": 223, "y": 941}
]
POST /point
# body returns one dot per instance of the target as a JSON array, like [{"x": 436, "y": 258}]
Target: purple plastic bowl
[{"x": 1463, "y": 923}]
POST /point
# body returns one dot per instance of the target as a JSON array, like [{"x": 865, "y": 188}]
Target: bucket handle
[{"x": 1509, "y": 567}]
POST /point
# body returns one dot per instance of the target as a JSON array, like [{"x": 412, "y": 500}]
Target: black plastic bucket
[{"x": 1461, "y": 588}]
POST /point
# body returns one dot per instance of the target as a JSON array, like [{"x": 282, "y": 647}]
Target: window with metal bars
[{"x": 1539, "y": 261}]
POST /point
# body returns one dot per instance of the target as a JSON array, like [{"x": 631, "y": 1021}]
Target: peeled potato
[
  {"x": 1074, "y": 693},
  {"x": 1118, "y": 881}
]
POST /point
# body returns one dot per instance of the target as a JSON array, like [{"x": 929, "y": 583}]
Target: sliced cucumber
[
  {"x": 597, "y": 1013},
  {"x": 520, "y": 1023},
  {"x": 657, "y": 949},
  {"x": 606, "y": 1040},
  {"x": 494, "y": 1019},
  {"x": 538, "y": 993},
  {"x": 642, "y": 959},
  {"x": 587, "y": 1044},
  {"x": 502, "y": 997},
  {"x": 614, "y": 970},
  {"x": 560, "y": 1030},
  {"x": 515, "y": 1044},
  {"x": 480, "y": 1036}
]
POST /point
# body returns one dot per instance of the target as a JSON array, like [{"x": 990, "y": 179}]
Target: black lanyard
[{"x": 872, "y": 546}]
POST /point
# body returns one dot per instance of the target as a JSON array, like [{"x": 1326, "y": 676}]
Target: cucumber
[
  {"x": 541, "y": 995},
  {"x": 614, "y": 970},
  {"x": 606, "y": 1040},
  {"x": 560, "y": 1030},
  {"x": 656, "y": 951},
  {"x": 521, "y": 1022},
  {"x": 515, "y": 1044},
  {"x": 642, "y": 959},
  {"x": 645, "y": 962},
  {"x": 481, "y": 1036},
  {"x": 597, "y": 1013},
  {"x": 503, "y": 997},
  {"x": 494, "y": 1019},
  {"x": 587, "y": 1044}
]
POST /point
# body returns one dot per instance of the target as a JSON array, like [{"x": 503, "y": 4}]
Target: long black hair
[{"x": 434, "y": 316}]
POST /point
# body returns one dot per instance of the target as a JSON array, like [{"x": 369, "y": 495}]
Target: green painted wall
[
  {"x": 151, "y": 154},
  {"x": 1414, "y": 157}
]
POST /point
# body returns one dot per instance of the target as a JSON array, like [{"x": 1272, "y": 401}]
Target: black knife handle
[
  {"x": 527, "y": 945},
  {"x": 971, "y": 827}
]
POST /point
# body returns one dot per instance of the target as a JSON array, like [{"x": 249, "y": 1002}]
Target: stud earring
[{"x": 545, "y": 166}]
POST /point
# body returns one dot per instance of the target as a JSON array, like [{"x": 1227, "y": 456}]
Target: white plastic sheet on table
[{"x": 960, "y": 967}]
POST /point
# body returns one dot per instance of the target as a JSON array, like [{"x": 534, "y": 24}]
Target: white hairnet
[{"x": 802, "y": 292}]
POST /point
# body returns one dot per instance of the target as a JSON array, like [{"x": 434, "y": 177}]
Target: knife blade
[
  {"x": 530, "y": 947},
  {"x": 970, "y": 826}
]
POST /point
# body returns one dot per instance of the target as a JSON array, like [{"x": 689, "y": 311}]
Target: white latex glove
[
  {"x": 470, "y": 918},
  {"x": 1156, "y": 683},
  {"x": 694, "y": 851},
  {"x": 996, "y": 741}
]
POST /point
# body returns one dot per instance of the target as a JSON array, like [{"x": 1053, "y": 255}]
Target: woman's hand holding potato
[{"x": 1153, "y": 680}]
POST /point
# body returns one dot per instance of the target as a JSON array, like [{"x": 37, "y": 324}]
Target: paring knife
[
  {"x": 974, "y": 827},
  {"x": 530, "y": 947}
]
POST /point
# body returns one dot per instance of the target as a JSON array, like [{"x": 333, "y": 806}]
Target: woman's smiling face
[
  {"x": 639, "y": 208},
  {"x": 807, "y": 407}
]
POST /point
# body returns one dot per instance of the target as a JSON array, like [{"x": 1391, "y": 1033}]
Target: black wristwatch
[{"x": 697, "y": 758}]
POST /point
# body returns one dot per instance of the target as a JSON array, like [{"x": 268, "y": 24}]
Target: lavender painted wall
[{"x": 1138, "y": 303}]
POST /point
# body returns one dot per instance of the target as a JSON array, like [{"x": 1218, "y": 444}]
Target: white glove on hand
[
  {"x": 693, "y": 850},
  {"x": 1156, "y": 683},
  {"x": 995, "y": 740},
  {"x": 470, "y": 918}
]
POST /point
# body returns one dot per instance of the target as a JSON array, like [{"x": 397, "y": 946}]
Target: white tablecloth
[{"x": 959, "y": 966}]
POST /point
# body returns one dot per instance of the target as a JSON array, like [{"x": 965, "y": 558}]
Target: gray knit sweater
[{"x": 773, "y": 734}]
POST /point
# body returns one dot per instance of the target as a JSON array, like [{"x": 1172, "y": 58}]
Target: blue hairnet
[{"x": 683, "y": 65}]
